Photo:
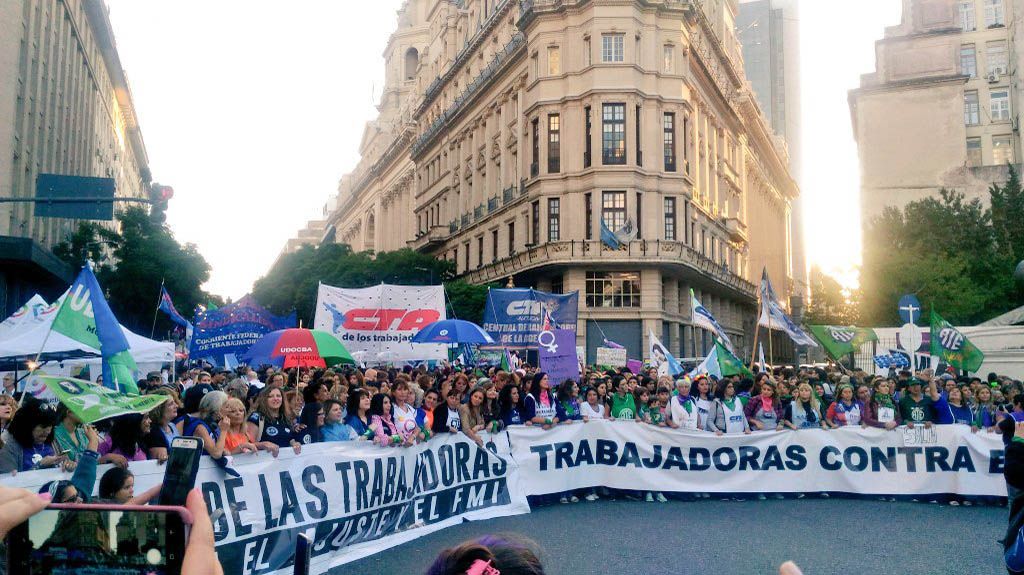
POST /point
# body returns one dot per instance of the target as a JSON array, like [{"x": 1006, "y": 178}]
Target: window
[
  {"x": 480, "y": 250},
  {"x": 613, "y": 289},
  {"x": 974, "y": 152},
  {"x": 554, "y": 144},
  {"x": 588, "y": 216},
  {"x": 971, "y": 112},
  {"x": 994, "y": 14},
  {"x": 639, "y": 214},
  {"x": 535, "y": 162},
  {"x": 1002, "y": 150},
  {"x": 587, "y": 53},
  {"x": 587, "y": 136},
  {"x": 535, "y": 221},
  {"x": 494, "y": 245},
  {"x": 613, "y": 209},
  {"x": 554, "y": 61},
  {"x": 554, "y": 219},
  {"x": 613, "y": 47},
  {"x": 670, "y": 219},
  {"x": 668, "y": 139},
  {"x": 613, "y": 134},
  {"x": 996, "y": 56},
  {"x": 966, "y": 10},
  {"x": 686, "y": 218},
  {"x": 466, "y": 246},
  {"x": 557, "y": 285},
  {"x": 511, "y": 238},
  {"x": 639, "y": 153},
  {"x": 968, "y": 61},
  {"x": 999, "y": 104},
  {"x": 667, "y": 55}
]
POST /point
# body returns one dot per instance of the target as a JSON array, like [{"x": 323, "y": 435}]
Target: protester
[
  {"x": 359, "y": 412},
  {"x": 446, "y": 415},
  {"x": 385, "y": 432},
  {"x": 233, "y": 427},
  {"x": 162, "y": 429},
  {"x": 845, "y": 410},
  {"x": 592, "y": 409},
  {"x": 69, "y": 433},
  {"x": 8, "y": 407},
  {"x": 28, "y": 441},
  {"x": 915, "y": 406},
  {"x": 125, "y": 437},
  {"x": 425, "y": 412},
  {"x": 764, "y": 410},
  {"x": 804, "y": 411},
  {"x": 568, "y": 399},
  {"x": 471, "y": 415},
  {"x": 683, "y": 410},
  {"x": 403, "y": 411},
  {"x": 510, "y": 404},
  {"x": 881, "y": 411},
  {"x": 727, "y": 413},
  {"x": 623, "y": 404},
  {"x": 334, "y": 428},
  {"x": 949, "y": 406},
  {"x": 489, "y": 555},
  {"x": 540, "y": 406},
  {"x": 270, "y": 427}
]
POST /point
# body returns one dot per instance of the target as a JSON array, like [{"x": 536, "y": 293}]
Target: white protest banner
[
  {"x": 611, "y": 357},
  {"x": 353, "y": 498},
  {"x": 376, "y": 323},
  {"x": 628, "y": 455}
]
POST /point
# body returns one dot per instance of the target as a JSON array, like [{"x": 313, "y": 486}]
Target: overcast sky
[{"x": 252, "y": 111}]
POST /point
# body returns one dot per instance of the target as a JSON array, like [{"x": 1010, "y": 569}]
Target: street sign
[
  {"x": 909, "y": 308},
  {"x": 96, "y": 193}
]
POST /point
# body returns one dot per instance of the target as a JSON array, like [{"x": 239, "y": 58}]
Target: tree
[
  {"x": 955, "y": 255},
  {"x": 141, "y": 255},
  {"x": 830, "y": 304}
]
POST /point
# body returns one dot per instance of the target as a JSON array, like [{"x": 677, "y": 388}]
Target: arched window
[
  {"x": 412, "y": 62},
  {"x": 371, "y": 234}
]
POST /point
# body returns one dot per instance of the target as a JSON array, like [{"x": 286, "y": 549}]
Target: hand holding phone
[{"x": 182, "y": 467}]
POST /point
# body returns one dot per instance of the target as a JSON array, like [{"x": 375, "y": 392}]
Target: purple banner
[
  {"x": 556, "y": 352},
  {"x": 635, "y": 366}
]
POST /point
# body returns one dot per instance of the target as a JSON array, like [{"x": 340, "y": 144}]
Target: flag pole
[
  {"x": 159, "y": 300},
  {"x": 771, "y": 353},
  {"x": 757, "y": 329}
]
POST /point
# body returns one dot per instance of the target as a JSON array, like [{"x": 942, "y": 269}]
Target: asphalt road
[{"x": 823, "y": 536}]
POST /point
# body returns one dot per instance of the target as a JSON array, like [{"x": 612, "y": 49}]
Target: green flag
[
  {"x": 91, "y": 402},
  {"x": 953, "y": 347},
  {"x": 839, "y": 341},
  {"x": 728, "y": 363}
]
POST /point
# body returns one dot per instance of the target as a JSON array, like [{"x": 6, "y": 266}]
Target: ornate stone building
[{"x": 510, "y": 131}]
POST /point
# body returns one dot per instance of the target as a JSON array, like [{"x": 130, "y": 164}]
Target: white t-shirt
[
  {"x": 590, "y": 413},
  {"x": 454, "y": 419},
  {"x": 405, "y": 418}
]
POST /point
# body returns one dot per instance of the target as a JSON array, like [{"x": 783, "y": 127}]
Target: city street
[{"x": 830, "y": 536}]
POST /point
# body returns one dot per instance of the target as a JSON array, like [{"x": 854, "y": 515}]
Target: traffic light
[{"x": 159, "y": 195}]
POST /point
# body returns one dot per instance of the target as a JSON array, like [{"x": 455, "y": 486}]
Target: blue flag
[
  {"x": 608, "y": 237},
  {"x": 167, "y": 306}
]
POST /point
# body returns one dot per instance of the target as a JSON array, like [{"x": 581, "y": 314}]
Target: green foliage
[
  {"x": 136, "y": 260},
  {"x": 957, "y": 256},
  {"x": 467, "y": 300},
  {"x": 830, "y": 304},
  {"x": 291, "y": 284}
]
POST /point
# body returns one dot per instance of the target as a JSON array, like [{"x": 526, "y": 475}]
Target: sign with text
[{"x": 611, "y": 357}]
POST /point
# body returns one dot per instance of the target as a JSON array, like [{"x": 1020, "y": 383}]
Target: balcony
[
  {"x": 507, "y": 194},
  {"x": 737, "y": 229},
  {"x": 591, "y": 252},
  {"x": 493, "y": 204},
  {"x": 432, "y": 238},
  {"x": 478, "y": 213}
]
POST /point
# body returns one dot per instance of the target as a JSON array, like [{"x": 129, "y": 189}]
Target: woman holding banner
[
  {"x": 472, "y": 416},
  {"x": 700, "y": 393},
  {"x": 845, "y": 410},
  {"x": 804, "y": 412},
  {"x": 359, "y": 412},
  {"x": 727, "y": 414},
  {"x": 540, "y": 405},
  {"x": 510, "y": 406},
  {"x": 881, "y": 411},
  {"x": 623, "y": 402},
  {"x": 270, "y": 427},
  {"x": 683, "y": 408},
  {"x": 764, "y": 410},
  {"x": 446, "y": 415}
]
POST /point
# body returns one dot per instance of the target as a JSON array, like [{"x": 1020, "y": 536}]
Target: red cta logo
[{"x": 389, "y": 319}]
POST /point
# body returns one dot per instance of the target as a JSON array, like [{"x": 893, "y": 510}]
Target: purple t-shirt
[{"x": 106, "y": 446}]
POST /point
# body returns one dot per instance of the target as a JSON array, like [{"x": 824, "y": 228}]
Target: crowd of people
[{"x": 248, "y": 411}]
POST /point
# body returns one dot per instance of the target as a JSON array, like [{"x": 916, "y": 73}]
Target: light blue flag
[{"x": 609, "y": 238}]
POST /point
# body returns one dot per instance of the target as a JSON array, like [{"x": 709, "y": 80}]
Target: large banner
[
  {"x": 515, "y": 317},
  {"x": 353, "y": 498},
  {"x": 376, "y": 323},
  {"x": 629, "y": 455},
  {"x": 556, "y": 355},
  {"x": 232, "y": 329}
]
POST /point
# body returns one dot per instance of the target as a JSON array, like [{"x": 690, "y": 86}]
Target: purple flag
[
  {"x": 635, "y": 366},
  {"x": 556, "y": 351}
]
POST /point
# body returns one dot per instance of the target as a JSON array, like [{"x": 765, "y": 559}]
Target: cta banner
[
  {"x": 232, "y": 329},
  {"x": 376, "y": 323},
  {"x": 353, "y": 498},
  {"x": 515, "y": 317},
  {"x": 629, "y": 455}
]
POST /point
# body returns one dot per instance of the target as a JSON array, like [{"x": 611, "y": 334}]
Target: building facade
[
  {"x": 940, "y": 109},
  {"x": 769, "y": 31},
  {"x": 510, "y": 131},
  {"x": 65, "y": 108}
]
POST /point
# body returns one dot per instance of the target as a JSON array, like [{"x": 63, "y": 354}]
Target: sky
[{"x": 253, "y": 110}]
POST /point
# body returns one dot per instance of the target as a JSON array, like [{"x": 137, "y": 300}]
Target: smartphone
[
  {"x": 70, "y": 539},
  {"x": 182, "y": 466},
  {"x": 303, "y": 545}
]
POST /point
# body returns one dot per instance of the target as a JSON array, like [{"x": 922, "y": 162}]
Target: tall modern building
[
  {"x": 66, "y": 109},
  {"x": 940, "y": 109},
  {"x": 512, "y": 132},
  {"x": 769, "y": 31}
]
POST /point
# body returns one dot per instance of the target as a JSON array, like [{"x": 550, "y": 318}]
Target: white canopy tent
[{"x": 28, "y": 315}]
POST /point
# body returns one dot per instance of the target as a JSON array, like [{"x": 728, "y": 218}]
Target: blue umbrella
[{"x": 452, "y": 331}]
